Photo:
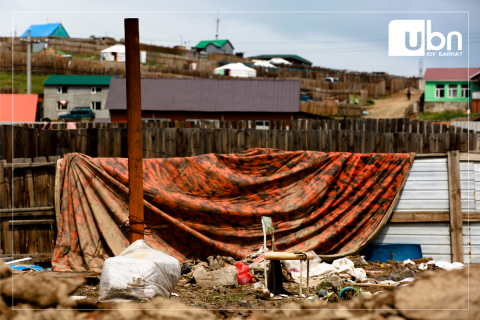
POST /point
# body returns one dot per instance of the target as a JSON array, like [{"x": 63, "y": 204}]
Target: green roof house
[
  {"x": 63, "y": 93},
  {"x": 449, "y": 89},
  {"x": 214, "y": 46}
]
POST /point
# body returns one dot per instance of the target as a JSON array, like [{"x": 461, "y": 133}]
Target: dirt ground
[
  {"x": 437, "y": 294},
  {"x": 240, "y": 302},
  {"x": 392, "y": 106}
]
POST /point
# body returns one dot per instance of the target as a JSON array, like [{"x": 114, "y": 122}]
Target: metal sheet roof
[
  {"x": 449, "y": 74},
  {"x": 46, "y": 30},
  {"x": 18, "y": 107},
  {"x": 210, "y": 95},
  {"x": 78, "y": 80},
  {"x": 218, "y": 43}
]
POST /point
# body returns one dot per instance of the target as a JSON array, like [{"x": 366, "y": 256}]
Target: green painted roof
[
  {"x": 79, "y": 80},
  {"x": 204, "y": 43},
  {"x": 270, "y": 56}
]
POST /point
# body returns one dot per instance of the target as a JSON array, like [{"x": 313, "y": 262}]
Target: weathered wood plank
[{"x": 455, "y": 206}]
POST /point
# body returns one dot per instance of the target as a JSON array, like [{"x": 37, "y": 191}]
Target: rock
[
  {"x": 398, "y": 276},
  {"x": 218, "y": 278},
  {"x": 5, "y": 270},
  {"x": 244, "y": 303}
]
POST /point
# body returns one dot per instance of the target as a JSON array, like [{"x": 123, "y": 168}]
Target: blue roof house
[{"x": 50, "y": 30}]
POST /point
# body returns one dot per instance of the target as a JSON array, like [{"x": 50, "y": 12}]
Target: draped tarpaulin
[{"x": 332, "y": 203}]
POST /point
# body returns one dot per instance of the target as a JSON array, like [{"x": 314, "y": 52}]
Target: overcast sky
[{"x": 320, "y": 31}]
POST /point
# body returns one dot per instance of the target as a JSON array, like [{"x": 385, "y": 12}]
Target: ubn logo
[{"x": 407, "y": 38}]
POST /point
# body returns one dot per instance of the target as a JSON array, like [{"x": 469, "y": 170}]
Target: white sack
[
  {"x": 449, "y": 266},
  {"x": 139, "y": 273}
]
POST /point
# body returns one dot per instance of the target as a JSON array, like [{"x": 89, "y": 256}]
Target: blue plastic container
[{"x": 397, "y": 252}]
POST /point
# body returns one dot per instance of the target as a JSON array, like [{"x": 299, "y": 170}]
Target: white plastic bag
[{"x": 139, "y": 273}]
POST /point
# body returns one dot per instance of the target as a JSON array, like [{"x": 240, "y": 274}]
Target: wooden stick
[
  {"x": 371, "y": 285},
  {"x": 301, "y": 278},
  {"x": 288, "y": 256}
]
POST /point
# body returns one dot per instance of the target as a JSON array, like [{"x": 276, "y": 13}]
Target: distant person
[{"x": 409, "y": 93}]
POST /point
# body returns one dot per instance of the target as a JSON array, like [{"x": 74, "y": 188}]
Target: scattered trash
[
  {"x": 243, "y": 274},
  {"x": 173, "y": 295},
  {"x": 351, "y": 289},
  {"x": 24, "y": 260},
  {"x": 422, "y": 266},
  {"x": 322, "y": 293},
  {"x": 78, "y": 297},
  {"x": 283, "y": 295},
  {"x": 139, "y": 273},
  {"x": 449, "y": 266},
  {"x": 408, "y": 261},
  {"x": 26, "y": 267}
]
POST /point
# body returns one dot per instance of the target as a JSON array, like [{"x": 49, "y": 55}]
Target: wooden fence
[
  {"x": 27, "y": 214},
  {"x": 376, "y": 137}
]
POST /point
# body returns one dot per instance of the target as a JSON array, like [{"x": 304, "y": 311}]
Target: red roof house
[{"x": 18, "y": 107}]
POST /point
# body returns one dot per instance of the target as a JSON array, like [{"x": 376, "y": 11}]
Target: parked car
[
  {"x": 330, "y": 79},
  {"x": 78, "y": 114}
]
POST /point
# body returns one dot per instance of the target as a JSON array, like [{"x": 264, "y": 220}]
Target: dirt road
[{"x": 391, "y": 107}]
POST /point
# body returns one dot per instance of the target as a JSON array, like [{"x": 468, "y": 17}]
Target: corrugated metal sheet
[
  {"x": 426, "y": 188},
  {"x": 210, "y": 95},
  {"x": 433, "y": 237},
  {"x": 471, "y": 242},
  {"x": 470, "y": 125}
]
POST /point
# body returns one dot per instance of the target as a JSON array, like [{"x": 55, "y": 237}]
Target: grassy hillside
[{"x": 20, "y": 81}]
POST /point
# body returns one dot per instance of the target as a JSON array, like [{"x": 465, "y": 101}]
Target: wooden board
[{"x": 455, "y": 206}]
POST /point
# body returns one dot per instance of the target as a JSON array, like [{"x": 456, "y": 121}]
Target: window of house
[
  {"x": 452, "y": 91},
  {"x": 96, "y": 90},
  {"x": 439, "y": 91},
  {"x": 62, "y": 106},
  {"x": 62, "y": 90},
  {"x": 96, "y": 105},
  {"x": 465, "y": 91}
]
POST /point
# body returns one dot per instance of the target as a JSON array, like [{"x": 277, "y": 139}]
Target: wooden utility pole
[{"x": 134, "y": 130}]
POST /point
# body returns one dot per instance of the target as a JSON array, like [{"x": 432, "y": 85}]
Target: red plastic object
[{"x": 243, "y": 274}]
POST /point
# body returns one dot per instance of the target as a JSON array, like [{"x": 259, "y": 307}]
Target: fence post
[{"x": 456, "y": 222}]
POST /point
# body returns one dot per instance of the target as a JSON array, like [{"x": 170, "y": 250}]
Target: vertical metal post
[
  {"x": 134, "y": 129},
  {"x": 29, "y": 64}
]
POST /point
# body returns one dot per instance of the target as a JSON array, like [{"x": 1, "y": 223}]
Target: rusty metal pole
[{"x": 134, "y": 129}]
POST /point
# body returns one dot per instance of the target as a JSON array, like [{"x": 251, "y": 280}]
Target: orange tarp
[{"x": 332, "y": 203}]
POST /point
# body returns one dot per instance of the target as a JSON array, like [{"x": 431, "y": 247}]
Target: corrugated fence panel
[
  {"x": 426, "y": 188},
  {"x": 467, "y": 178},
  {"x": 471, "y": 242},
  {"x": 433, "y": 237},
  {"x": 471, "y": 125}
]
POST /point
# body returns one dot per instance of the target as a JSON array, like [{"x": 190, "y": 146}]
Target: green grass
[
  {"x": 383, "y": 96},
  {"x": 445, "y": 116},
  {"x": 20, "y": 81},
  {"x": 370, "y": 102}
]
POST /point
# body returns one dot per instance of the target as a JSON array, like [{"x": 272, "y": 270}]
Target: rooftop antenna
[
  {"x": 218, "y": 23},
  {"x": 420, "y": 68}
]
